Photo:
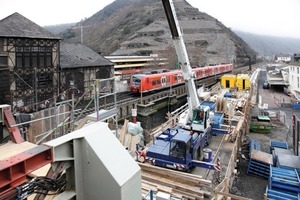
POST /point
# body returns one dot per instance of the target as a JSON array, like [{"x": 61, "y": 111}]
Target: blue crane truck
[{"x": 180, "y": 148}]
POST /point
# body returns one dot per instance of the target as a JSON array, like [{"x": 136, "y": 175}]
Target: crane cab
[{"x": 201, "y": 119}]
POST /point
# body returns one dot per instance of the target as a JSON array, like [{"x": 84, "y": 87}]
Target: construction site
[
  {"x": 231, "y": 140},
  {"x": 82, "y": 155},
  {"x": 80, "y": 158}
]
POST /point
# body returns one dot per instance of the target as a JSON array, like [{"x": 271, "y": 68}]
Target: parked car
[{"x": 266, "y": 85}]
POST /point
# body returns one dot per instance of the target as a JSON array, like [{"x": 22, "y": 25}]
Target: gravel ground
[{"x": 253, "y": 186}]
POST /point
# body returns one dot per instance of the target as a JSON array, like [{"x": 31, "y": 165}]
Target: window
[
  {"x": 26, "y": 82},
  {"x": 41, "y": 60},
  {"x": 19, "y": 60},
  {"x": 153, "y": 82},
  {"x": 29, "y": 57},
  {"x": 26, "y": 60},
  {"x": 3, "y": 61},
  {"x": 34, "y": 59},
  {"x": 178, "y": 149},
  {"x": 43, "y": 79},
  {"x": 298, "y": 82},
  {"x": 48, "y": 60}
]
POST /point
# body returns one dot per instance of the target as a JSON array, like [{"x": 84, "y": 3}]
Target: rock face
[{"x": 139, "y": 27}]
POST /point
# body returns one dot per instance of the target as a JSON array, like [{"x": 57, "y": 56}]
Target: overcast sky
[{"x": 267, "y": 17}]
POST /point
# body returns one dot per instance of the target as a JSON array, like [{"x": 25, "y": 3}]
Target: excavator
[{"x": 181, "y": 147}]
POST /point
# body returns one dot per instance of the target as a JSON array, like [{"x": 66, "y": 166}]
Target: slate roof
[
  {"x": 16, "y": 25},
  {"x": 283, "y": 55},
  {"x": 79, "y": 55}
]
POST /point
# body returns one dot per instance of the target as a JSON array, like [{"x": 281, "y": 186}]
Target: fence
[{"x": 51, "y": 123}]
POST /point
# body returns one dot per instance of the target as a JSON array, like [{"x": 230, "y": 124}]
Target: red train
[{"x": 160, "y": 79}]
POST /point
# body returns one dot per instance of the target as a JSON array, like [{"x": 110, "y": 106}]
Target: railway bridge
[{"x": 152, "y": 107}]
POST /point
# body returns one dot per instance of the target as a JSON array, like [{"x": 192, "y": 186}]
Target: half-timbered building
[
  {"x": 80, "y": 66},
  {"x": 29, "y": 59}
]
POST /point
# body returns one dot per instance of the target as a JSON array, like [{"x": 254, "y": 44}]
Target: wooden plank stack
[{"x": 179, "y": 184}]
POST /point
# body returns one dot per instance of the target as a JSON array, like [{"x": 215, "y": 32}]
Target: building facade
[
  {"x": 80, "y": 66},
  {"x": 294, "y": 76},
  {"x": 283, "y": 58},
  {"x": 29, "y": 59},
  {"x": 36, "y": 68}
]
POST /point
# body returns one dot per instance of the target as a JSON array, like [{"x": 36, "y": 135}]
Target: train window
[
  {"x": 136, "y": 79},
  {"x": 158, "y": 82},
  {"x": 175, "y": 78},
  {"x": 168, "y": 79},
  {"x": 153, "y": 82}
]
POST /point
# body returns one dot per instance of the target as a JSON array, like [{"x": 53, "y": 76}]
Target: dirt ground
[{"x": 250, "y": 185}]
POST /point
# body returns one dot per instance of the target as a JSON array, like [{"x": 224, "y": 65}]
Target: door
[
  {"x": 163, "y": 81},
  {"x": 227, "y": 84}
]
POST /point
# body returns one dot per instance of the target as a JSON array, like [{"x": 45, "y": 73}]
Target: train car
[{"x": 151, "y": 82}]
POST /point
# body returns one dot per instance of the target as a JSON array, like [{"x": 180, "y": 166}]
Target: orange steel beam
[
  {"x": 14, "y": 132},
  {"x": 13, "y": 170}
]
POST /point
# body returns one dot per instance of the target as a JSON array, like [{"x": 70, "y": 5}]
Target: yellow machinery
[
  {"x": 242, "y": 82},
  {"x": 228, "y": 81}
]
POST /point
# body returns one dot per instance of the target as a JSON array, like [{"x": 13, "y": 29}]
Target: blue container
[
  {"x": 218, "y": 120},
  {"x": 207, "y": 155},
  {"x": 278, "y": 144},
  {"x": 210, "y": 104},
  {"x": 228, "y": 94},
  {"x": 296, "y": 106}
]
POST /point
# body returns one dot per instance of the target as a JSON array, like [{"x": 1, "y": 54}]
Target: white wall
[{"x": 294, "y": 79}]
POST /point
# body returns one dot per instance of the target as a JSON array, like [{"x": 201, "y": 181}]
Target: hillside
[
  {"x": 270, "y": 45},
  {"x": 139, "y": 27},
  {"x": 57, "y": 29}
]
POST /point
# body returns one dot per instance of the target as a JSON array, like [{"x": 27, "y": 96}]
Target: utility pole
[
  {"x": 97, "y": 98},
  {"x": 73, "y": 105},
  {"x": 35, "y": 89}
]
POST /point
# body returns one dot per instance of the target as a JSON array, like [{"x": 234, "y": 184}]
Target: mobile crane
[{"x": 180, "y": 147}]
